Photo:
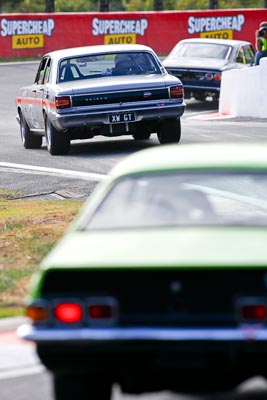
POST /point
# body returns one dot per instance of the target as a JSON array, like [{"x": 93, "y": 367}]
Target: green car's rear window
[{"x": 189, "y": 198}]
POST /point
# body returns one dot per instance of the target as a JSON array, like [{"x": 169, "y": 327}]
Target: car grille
[
  {"x": 170, "y": 297},
  {"x": 120, "y": 97}
]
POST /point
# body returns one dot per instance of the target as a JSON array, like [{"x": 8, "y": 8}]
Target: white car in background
[{"x": 199, "y": 63}]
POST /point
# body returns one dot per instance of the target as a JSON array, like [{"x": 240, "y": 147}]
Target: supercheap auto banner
[{"x": 31, "y": 35}]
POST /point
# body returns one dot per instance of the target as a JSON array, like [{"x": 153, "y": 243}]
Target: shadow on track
[{"x": 106, "y": 147}]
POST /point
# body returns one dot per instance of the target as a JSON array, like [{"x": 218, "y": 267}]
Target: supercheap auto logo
[
  {"x": 27, "y": 34},
  {"x": 221, "y": 27},
  {"x": 119, "y": 31}
]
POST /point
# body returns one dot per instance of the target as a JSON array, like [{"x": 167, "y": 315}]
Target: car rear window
[
  {"x": 202, "y": 50},
  {"x": 106, "y": 65},
  {"x": 184, "y": 199}
]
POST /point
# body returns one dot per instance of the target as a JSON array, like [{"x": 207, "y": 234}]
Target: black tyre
[
  {"x": 29, "y": 140},
  {"x": 169, "y": 131},
  {"x": 57, "y": 143},
  {"x": 70, "y": 386}
]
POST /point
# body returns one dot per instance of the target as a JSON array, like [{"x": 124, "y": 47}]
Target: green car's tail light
[
  {"x": 177, "y": 92},
  {"x": 252, "y": 310},
  {"x": 100, "y": 311},
  {"x": 75, "y": 312},
  {"x": 62, "y": 102},
  {"x": 68, "y": 313},
  {"x": 37, "y": 313}
]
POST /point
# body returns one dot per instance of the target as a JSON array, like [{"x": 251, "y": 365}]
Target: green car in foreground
[{"x": 161, "y": 281}]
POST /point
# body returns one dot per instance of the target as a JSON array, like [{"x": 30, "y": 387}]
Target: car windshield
[
  {"x": 201, "y": 50},
  {"x": 106, "y": 65},
  {"x": 184, "y": 199}
]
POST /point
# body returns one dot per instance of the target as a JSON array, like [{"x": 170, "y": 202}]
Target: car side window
[
  {"x": 47, "y": 71},
  {"x": 245, "y": 55},
  {"x": 240, "y": 58},
  {"x": 249, "y": 54},
  {"x": 41, "y": 72}
]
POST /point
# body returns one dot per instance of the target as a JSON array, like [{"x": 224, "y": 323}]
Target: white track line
[{"x": 87, "y": 176}]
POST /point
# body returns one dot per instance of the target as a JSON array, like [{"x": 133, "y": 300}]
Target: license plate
[{"x": 121, "y": 118}]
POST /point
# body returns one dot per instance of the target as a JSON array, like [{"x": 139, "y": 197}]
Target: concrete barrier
[{"x": 244, "y": 92}]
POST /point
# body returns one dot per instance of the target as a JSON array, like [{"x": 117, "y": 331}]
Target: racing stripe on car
[{"x": 36, "y": 101}]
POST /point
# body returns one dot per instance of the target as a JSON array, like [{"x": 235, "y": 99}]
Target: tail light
[
  {"x": 102, "y": 310},
  {"x": 252, "y": 310},
  {"x": 217, "y": 77},
  {"x": 255, "y": 312},
  {"x": 209, "y": 76},
  {"x": 68, "y": 313},
  {"x": 62, "y": 102},
  {"x": 75, "y": 312},
  {"x": 213, "y": 76},
  {"x": 37, "y": 312},
  {"x": 177, "y": 92}
]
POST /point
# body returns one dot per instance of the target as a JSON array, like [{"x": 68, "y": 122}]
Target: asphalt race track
[{"x": 35, "y": 173}]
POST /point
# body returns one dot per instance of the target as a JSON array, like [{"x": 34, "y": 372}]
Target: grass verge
[{"x": 28, "y": 230}]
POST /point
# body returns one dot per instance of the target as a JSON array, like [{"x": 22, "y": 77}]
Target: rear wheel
[
  {"x": 57, "y": 143},
  {"x": 29, "y": 140},
  {"x": 70, "y": 386},
  {"x": 169, "y": 131}
]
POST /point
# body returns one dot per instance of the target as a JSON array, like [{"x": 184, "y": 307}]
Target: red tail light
[
  {"x": 255, "y": 312},
  {"x": 177, "y": 92},
  {"x": 68, "y": 312},
  {"x": 102, "y": 310},
  {"x": 252, "y": 310},
  {"x": 217, "y": 77},
  {"x": 62, "y": 102}
]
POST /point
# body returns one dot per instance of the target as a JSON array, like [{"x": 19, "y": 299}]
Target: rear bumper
[
  {"x": 159, "y": 355},
  {"x": 239, "y": 334},
  {"x": 87, "y": 118},
  {"x": 191, "y": 91}
]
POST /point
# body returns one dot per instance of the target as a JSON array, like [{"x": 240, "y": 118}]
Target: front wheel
[
  {"x": 57, "y": 143},
  {"x": 169, "y": 131},
  {"x": 29, "y": 140},
  {"x": 70, "y": 386}
]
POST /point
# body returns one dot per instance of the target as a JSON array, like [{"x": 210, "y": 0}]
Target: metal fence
[{"x": 30, "y": 6}]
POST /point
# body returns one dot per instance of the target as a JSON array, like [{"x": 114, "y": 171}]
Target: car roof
[
  {"x": 195, "y": 156},
  {"x": 229, "y": 42},
  {"x": 77, "y": 51}
]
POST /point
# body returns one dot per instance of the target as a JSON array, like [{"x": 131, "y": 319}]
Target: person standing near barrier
[
  {"x": 263, "y": 25},
  {"x": 261, "y": 42}
]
